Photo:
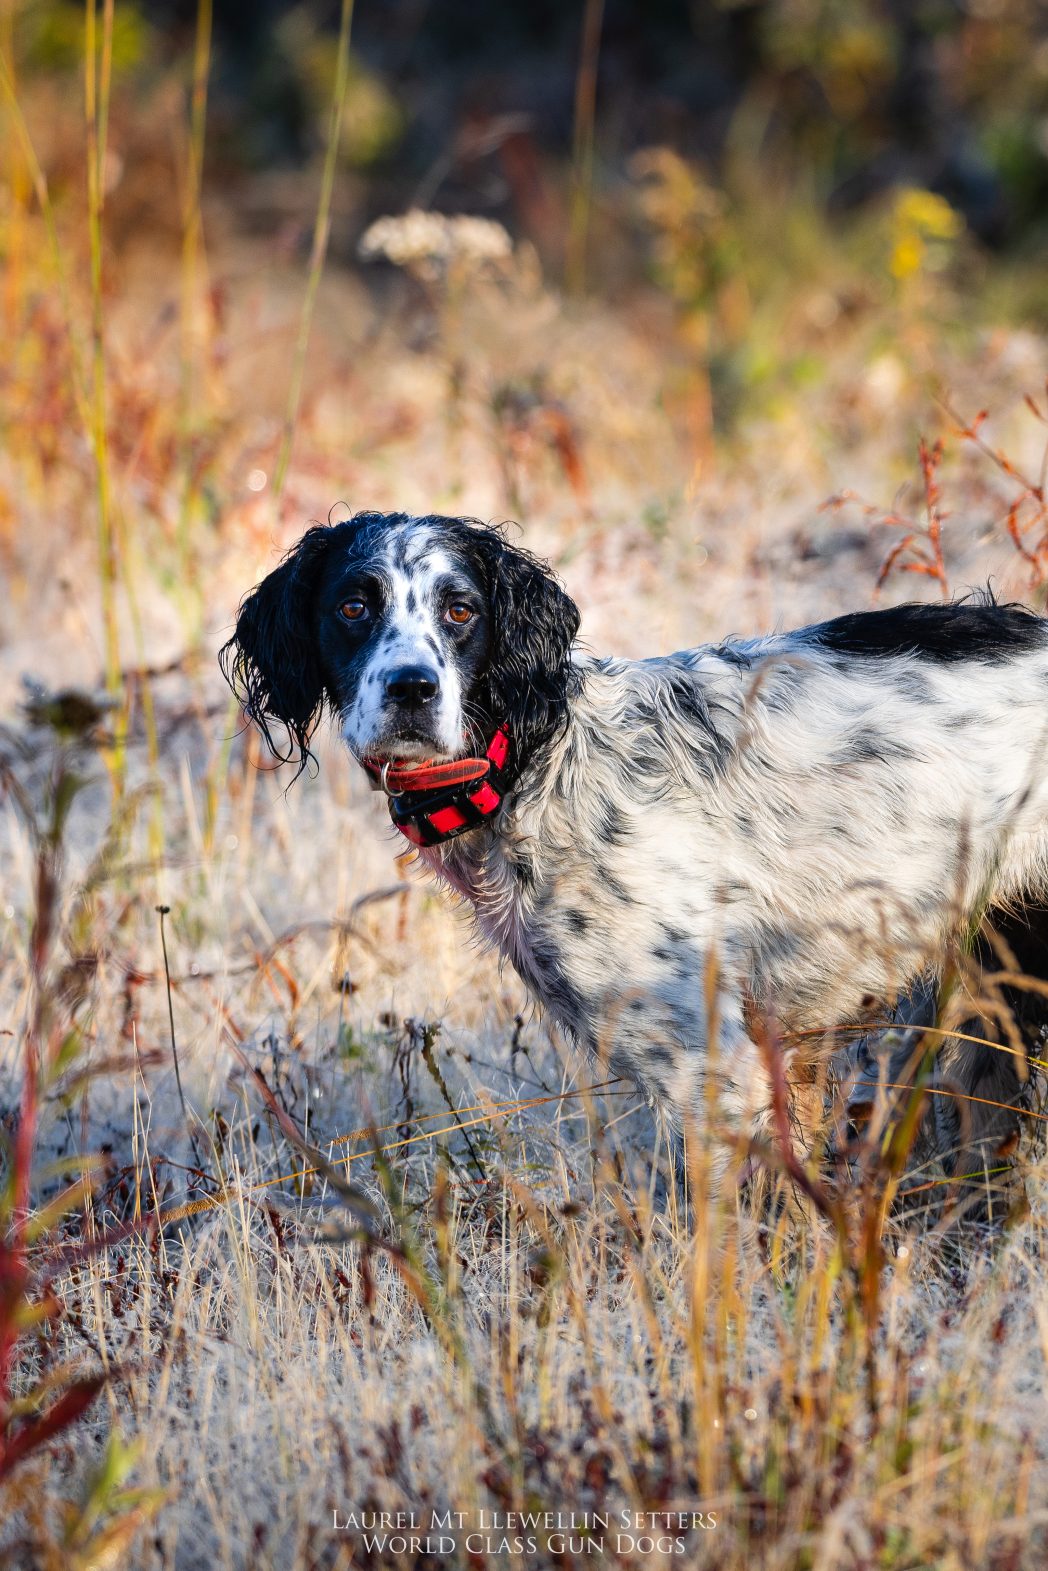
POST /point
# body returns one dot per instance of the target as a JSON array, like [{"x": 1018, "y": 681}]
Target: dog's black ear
[
  {"x": 529, "y": 677},
  {"x": 271, "y": 660}
]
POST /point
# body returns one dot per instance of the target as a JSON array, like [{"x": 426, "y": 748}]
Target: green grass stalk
[
  {"x": 582, "y": 150},
  {"x": 98, "y": 71},
  {"x": 192, "y": 249},
  {"x": 321, "y": 234}
]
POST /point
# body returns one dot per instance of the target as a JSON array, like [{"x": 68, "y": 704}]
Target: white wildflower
[{"x": 428, "y": 242}]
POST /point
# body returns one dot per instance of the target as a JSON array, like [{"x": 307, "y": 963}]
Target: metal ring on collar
[{"x": 384, "y": 783}]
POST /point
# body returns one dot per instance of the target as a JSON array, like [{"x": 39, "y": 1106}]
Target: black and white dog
[{"x": 797, "y": 826}]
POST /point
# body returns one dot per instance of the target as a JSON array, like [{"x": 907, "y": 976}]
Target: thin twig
[{"x": 162, "y": 912}]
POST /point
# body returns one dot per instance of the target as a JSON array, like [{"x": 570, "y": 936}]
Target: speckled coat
[
  {"x": 794, "y": 826},
  {"x": 815, "y": 821}
]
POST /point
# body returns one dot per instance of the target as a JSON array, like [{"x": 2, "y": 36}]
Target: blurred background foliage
[
  {"x": 847, "y": 99},
  {"x": 806, "y": 205},
  {"x": 884, "y": 154}
]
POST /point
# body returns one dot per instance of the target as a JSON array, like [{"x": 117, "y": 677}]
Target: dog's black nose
[{"x": 412, "y": 684}]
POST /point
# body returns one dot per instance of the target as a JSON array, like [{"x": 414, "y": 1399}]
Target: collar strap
[{"x": 433, "y": 802}]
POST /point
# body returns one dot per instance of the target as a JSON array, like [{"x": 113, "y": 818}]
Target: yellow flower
[
  {"x": 927, "y": 214},
  {"x": 923, "y": 225},
  {"x": 907, "y": 255}
]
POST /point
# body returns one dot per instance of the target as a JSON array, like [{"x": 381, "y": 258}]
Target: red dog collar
[{"x": 432, "y": 802}]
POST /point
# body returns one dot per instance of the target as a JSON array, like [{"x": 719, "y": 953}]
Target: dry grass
[{"x": 514, "y": 1315}]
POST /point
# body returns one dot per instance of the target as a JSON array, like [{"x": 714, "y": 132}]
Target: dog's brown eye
[
  {"x": 457, "y": 612},
  {"x": 353, "y": 609}
]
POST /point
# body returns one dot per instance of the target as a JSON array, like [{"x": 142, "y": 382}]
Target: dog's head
[{"x": 421, "y": 634}]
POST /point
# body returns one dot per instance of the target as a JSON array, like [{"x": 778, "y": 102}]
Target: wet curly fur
[{"x": 798, "y": 826}]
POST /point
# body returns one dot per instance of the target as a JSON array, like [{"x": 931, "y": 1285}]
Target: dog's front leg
[{"x": 708, "y": 1080}]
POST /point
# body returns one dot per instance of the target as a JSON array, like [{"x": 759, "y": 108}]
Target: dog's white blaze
[{"x": 414, "y": 567}]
